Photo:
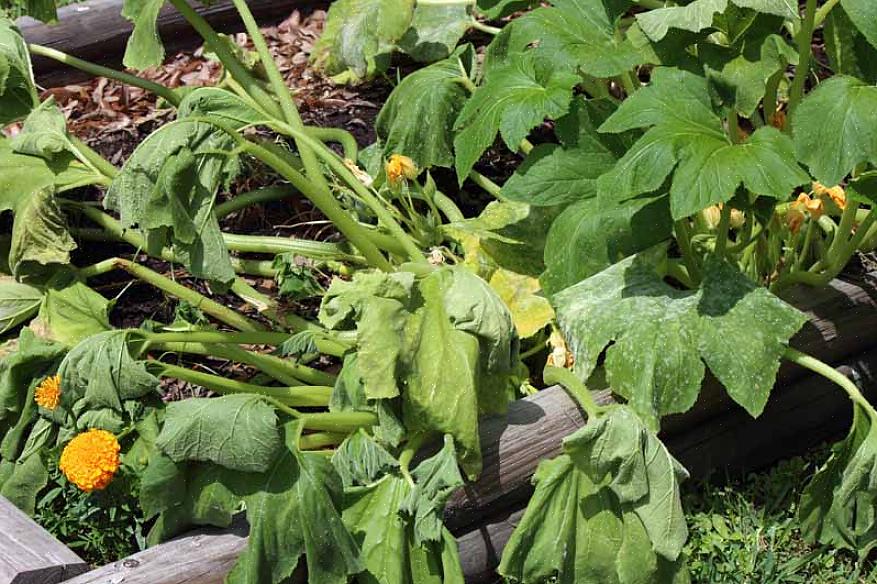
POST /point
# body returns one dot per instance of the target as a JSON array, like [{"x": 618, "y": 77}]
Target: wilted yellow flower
[
  {"x": 778, "y": 119},
  {"x": 399, "y": 167},
  {"x": 48, "y": 392},
  {"x": 814, "y": 206},
  {"x": 794, "y": 219},
  {"x": 836, "y": 194},
  {"x": 560, "y": 355},
  {"x": 91, "y": 459}
]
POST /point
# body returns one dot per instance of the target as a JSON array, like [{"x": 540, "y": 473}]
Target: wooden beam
[
  {"x": 29, "y": 554},
  {"x": 96, "y": 31}
]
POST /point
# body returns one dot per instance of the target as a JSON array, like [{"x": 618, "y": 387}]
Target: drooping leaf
[
  {"x": 839, "y": 505},
  {"x": 294, "y": 510},
  {"x": 184, "y": 495},
  {"x": 530, "y": 309},
  {"x": 39, "y": 236},
  {"x": 144, "y": 48},
  {"x": 698, "y": 15},
  {"x": 686, "y": 135},
  {"x": 435, "y": 480},
  {"x": 591, "y": 235},
  {"x": 514, "y": 99},
  {"x": 44, "y": 132},
  {"x": 27, "y": 479},
  {"x": 18, "y": 93},
  {"x": 436, "y": 29},
  {"x": 238, "y": 432},
  {"x": 834, "y": 128},
  {"x": 863, "y": 13},
  {"x": 575, "y": 532},
  {"x": 616, "y": 447},
  {"x": 220, "y": 103},
  {"x": 434, "y": 94},
  {"x": 101, "y": 371},
  {"x": 18, "y": 302},
  {"x": 663, "y": 336},
  {"x": 360, "y": 35},
  {"x": 30, "y": 363},
  {"x": 71, "y": 311},
  {"x": 577, "y": 35}
]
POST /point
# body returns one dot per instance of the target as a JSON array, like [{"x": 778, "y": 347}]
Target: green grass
[{"x": 746, "y": 532}]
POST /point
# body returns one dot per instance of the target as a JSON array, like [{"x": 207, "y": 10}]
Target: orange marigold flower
[
  {"x": 836, "y": 194},
  {"x": 400, "y": 167},
  {"x": 91, "y": 459},
  {"x": 48, "y": 392}
]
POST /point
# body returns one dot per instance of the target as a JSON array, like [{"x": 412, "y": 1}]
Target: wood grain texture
[
  {"x": 202, "y": 557},
  {"x": 29, "y": 554},
  {"x": 96, "y": 31}
]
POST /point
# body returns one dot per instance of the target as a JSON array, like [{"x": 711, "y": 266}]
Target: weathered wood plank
[
  {"x": 29, "y": 554},
  {"x": 202, "y": 557},
  {"x": 96, "y": 31}
]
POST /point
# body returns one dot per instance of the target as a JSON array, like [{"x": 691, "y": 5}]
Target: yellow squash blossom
[
  {"x": 91, "y": 459},
  {"x": 48, "y": 392},
  {"x": 400, "y": 167},
  {"x": 804, "y": 204},
  {"x": 836, "y": 194}
]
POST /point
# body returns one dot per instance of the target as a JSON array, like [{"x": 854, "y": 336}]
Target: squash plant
[{"x": 660, "y": 224}]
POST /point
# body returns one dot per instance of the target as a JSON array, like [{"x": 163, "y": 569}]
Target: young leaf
[
  {"x": 101, "y": 372},
  {"x": 662, "y": 335},
  {"x": 591, "y": 235},
  {"x": 839, "y": 505},
  {"x": 835, "y": 128},
  {"x": 434, "y": 93},
  {"x": 642, "y": 474},
  {"x": 864, "y": 14},
  {"x": 144, "y": 47},
  {"x": 515, "y": 98},
  {"x": 436, "y": 29},
  {"x": 18, "y": 302},
  {"x": 238, "y": 432},
  {"x": 185, "y": 495},
  {"x": 687, "y": 135},
  {"x": 698, "y": 15},
  {"x": 360, "y": 35},
  {"x": 362, "y": 461},
  {"x": 18, "y": 93},
  {"x": 167, "y": 188},
  {"x": 293, "y": 510}
]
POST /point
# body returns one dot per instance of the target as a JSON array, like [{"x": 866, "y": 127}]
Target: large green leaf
[
  {"x": 435, "y": 29},
  {"x": 22, "y": 175},
  {"x": 515, "y": 98},
  {"x": 577, "y": 35},
  {"x": 387, "y": 537},
  {"x": 863, "y": 13},
  {"x": 238, "y": 432},
  {"x": 591, "y": 235},
  {"x": 849, "y": 53},
  {"x": 18, "y": 93},
  {"x": 835, "y": 128},
  {"x": 434, "y": 93},
  {"x": 167, "y": 189},
  {"x": 71, "y": 311},
  {"x": 661, "y": 336},
  {"x": 698, "y": 15},
  {"x": 27, "y": 479},
  {"x": 184, "y": 495},
  {"x": 144, "y": 47},
  {"x": 839, "y": 505},
  {"x": 101, "y": 372},
  {"x": 575, "y": 532},
  {"x": 39, "y": 236},
  {"x": 294, "y": 510},
  {"x": 616, "y": 449},
  {"x": 686, "y": 135},
  {"x": 360, "y": 35},
  {"x": 18, "y": 302}
]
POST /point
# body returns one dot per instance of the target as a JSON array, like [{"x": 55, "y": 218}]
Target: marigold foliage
[{"x": 91, "y": 459}]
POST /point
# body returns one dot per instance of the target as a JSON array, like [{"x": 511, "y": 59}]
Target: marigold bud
[
  {"x": 91, "y": 459},
  {"x": 48, "y": 392},
  {"x": 400, "y": 167}
]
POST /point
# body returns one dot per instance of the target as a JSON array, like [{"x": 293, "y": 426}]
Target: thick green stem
[
  {"x": 339, "y": 135},
  {"x": 96, "y": 70},
  {"x": 823, "y": 11},
  {"x": 315, "y": 250},
  {"x": 93, "y": 159},
  {"x": 491, "y": 30},
  {"x": 566, "y": 378},
  {"x": 770, "y": 95},
  {"x": 319, "y": 440},
  {"x": 485, "y": 183},
  {"x": 208, "y": 306},
  {"x": 683, "y": 239},
  {"x": 327, "y": 346},
  {"x": 300, "y": 396},
  {"x": 229, "y": 60},
  {"x": 244, "y": 200},
  {"x": 340, "y": 422},
  {"x": 830, "y": 373},
  {"x": 802, "y": 71},
  {"x": 268, "y": 308}
]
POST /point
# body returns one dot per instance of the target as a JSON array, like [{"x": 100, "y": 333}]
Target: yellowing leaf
[{"x": 523, "y": 296}]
